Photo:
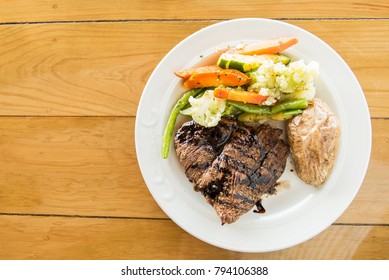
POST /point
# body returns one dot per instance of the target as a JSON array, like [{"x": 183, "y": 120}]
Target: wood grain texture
[
  {"x": 366, "y": 208},
  {"x": 77, "y": 166},
  {"x": 73, "y": 10},
  {"x": 77, "y": 238},
  {"x": 71, "y": 77},
  {"x": 100, "y": 69},
  {"x": 87, "y": 166}
]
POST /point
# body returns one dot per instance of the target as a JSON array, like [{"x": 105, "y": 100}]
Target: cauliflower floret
[
  {"x": 277, "y": 79},
  {"x": 296, "y": 77},
  {"x": 264, "y": 76},
  {"x": 206, "y": 110}
]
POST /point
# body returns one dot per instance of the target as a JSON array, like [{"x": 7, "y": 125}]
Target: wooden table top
[{"x": 71, "y": 76}]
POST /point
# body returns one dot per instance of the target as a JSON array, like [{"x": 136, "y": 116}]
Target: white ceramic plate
[{"x": 295, "y": 214}]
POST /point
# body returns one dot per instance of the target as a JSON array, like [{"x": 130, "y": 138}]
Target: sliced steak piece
[
  {"x": 197, "y": 146},
  {"x": 248, "y": 167}
]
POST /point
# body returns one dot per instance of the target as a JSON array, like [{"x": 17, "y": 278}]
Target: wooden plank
[
  {"x": 100, "y": 69},
  {"x": 72, "y": 69},
  {"x": 51, "y": 10},
  {"x": 80, "y": 69},
  {"x": 77, "y": 166},
  {"x": 367, "y": 207},
  {"x": 87, "y": 166},
  {"x": 26, "y": 237}
]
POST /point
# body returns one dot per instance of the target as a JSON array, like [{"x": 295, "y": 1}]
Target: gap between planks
[
  {"x": 174, "y": 20},
  {"x": 156, "y": 219},
  {"x": 83, "y": 216}
]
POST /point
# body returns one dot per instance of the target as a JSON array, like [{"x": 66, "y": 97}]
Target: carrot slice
[
  {"x": 227, "y": 77},
  {"x": 266, "y": 47},
  {"x": 185, "y": 74},
  {"x": 239, "y": 95}
]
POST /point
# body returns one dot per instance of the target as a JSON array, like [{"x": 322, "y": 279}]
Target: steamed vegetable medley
[{"x": 252, "y": 82}]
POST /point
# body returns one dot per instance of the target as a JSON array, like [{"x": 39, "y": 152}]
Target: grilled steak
[
  {"x": 245, "y": 166},
  {"x": 197, "y": 146}
]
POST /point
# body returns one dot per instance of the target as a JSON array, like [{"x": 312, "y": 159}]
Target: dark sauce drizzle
[{"x": 260, "y": 208}]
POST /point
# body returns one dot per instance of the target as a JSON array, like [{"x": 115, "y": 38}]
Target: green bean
[
  {"x": 294, "y": 104},
  {"x": 168, "y": 133},
  {"x": 250, "y": 108},
  {"x": 300, "y": 103}
]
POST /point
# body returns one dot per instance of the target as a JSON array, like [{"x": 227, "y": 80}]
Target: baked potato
[{"x": 314, "y": 138}]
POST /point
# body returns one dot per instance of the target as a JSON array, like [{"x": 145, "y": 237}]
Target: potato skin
[{"x": 314, "y": 139}]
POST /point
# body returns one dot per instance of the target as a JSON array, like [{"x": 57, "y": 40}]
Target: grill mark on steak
[
  {"x": 244, "y": 154},
  {"x": 197, "y": 146},
  {"x": 246, "y": 167}
]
